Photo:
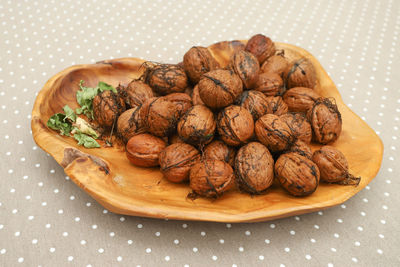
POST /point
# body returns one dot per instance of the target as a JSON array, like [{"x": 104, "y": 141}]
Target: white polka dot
[
  {"x": 20, "y": 260},
  {"x": 101, "y": 250},
  {"x": 148, "y": 250}
]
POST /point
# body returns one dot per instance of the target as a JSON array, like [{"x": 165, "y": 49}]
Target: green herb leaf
[
  {"x": 85, "y": 140},
  {"x": 85, "y": 97},
  {"x": 57, "y": 122},
  {"x": 69, "y": 113}
]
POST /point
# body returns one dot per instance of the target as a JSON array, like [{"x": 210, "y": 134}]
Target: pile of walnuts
[{"x": 242, "y": 125}]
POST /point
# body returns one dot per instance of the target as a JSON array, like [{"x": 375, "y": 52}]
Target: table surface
[{"x": 45, "y": 219}]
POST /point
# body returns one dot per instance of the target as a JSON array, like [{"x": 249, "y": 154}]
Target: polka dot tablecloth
[{"x": 46, "y": 220}]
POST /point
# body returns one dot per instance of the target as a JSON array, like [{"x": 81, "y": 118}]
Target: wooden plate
[{"x": 107, "y": 176}]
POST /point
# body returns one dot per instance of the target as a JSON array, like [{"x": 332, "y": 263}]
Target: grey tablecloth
[{"x": 47, "y": 220}]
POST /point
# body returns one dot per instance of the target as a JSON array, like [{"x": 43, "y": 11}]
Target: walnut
[
  {"x": 325, "y": 120},
  {"x": 275, "y": 64},
  {"x": 300, "y": 99},
  {"x": 299, "y": 125},
  {"x": 219, "y": 88},
  {"x": 254, "y": 168},
  {"x": 297, "y": 174},
  {"x": 333, "y": 166},
  {"x": 246, "y": 66},
  {"x": 197, "y": 126},
  {"x": 220, "y": 151},
  {"x": 181, "y": 101},
  {"x": 196, "y": 99},
  {"x": 143, "y": 150},
  {"x": 300, "y": 73},
  {"x": 166, "y": 78},
  {"x": 301, "y": 148},
  {"x": 255, "y": 102},
  {"x": 107, "y": 106},
  {"x": 276, "y": 105},
  {"x": 235, "y": 125},
  {"x": 135, "y": 93},
  {"x": 274, "y": 133},
  {"x": 270, "y": 84},
  {"x": 173, "y": 139},
  {"x": 129, "y": 124},
  {"x": 261, "y": 46},
  {"x": 197, "y": 61},
  {"x": 211, "y": 178},
  {"x": 176, "y": 160},
  {"x": 160, "y": 116}
]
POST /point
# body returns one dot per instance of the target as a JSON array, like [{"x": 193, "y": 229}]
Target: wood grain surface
[{"x": 122, "y": 188}]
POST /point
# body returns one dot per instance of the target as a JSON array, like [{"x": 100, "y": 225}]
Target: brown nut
[
  {"x": 301, "y": 148},
  {"x": 261, "y": 46},
  {"x": 220, "y": 151},
  {"x": 255, "y": 102},
  {"x": 129, "y": 124},
  {"x": 135, "y": 93},
  {"x": 176, "y": 160},
  {"x": 211, "y": 178},
  {"x": 275, "y": 64},
  {"x": 297, "y": 174},
  {"x": 333, "y": 166},
  {"x": 299, "y": 125},
  {"x": 160, "y": 116},
  {"x": 276, "y": 105},
  {"x": 181, "y": 101},
  {"x": 173, "y": 139},
  {"x": 197, "y": 61},
  {"x": 274, "y": 133},
  {"x": 220, "y": 88},
  {"x": 300, "y": 73},
  {"x": 143, "y": 150},
  {"x": 246, "y": 66},
  {"x": 235, "y": 125},
  {"x": 107, "y": 106},
  {"x": 197, "y": 126},
  {"x": 325, "y": 120},
  {"x": 270, "y": 84},
  {"x": 254, "y": 168},
  {"x": 300, "y": 99},
  {"x": 196, "y": 99},
  {"x": 166, "y": 78}
]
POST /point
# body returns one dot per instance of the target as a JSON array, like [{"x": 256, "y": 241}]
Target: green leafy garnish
[
  {"x": 85, "y": 140},
  {"x": 85, "y": 97},
  {"x": 58, "y": 122},
  {"x": 69, "y": 113},
  {"x": 84, "y": 127}
]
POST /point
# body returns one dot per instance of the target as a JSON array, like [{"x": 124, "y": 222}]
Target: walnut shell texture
[
  {"x": 218, "y": 150},
  {"x": 197, "y": 61},
  {"x": 325, "y": 120},
  {"x": 196, "y": 99},
  {"x": 300, "y": 73},
  {"x": 275, "y": 64},
  {"x": 211, "y": 178},
  {"x": 270, "y": 84},
  {"x": 246, "y": 66},
  {"x": 143, "y": 150},
  {"x": 107, "y": 106},
  {"x": 255, "y": 102},
  {"x": 301, "y": 148},
  {"x": 261, "y": 46},
  {"x": 220, "y": 88},
  {"x": 235, "y": 125},
  {"x": 166, "y": 78},
  {"x": 160, "y": 116},
  {"x": 254, "y": 168},
  {"x": 135, "y": 93},
  {"x": 276, "y": 105},
  {"x": 197, "y": 126},
  {"x": 176, "y": 160},
  {"x": 182, "y": 102},
  {"x": 300, "y": 99},
  {"x": 274, "y": 133},
  {"x": 299, "y": 125},
  {"x": 129, "y": 124},
  {"x": 297, "y": 174}
]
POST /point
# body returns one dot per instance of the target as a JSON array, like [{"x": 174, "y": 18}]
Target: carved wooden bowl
[{"x": 107, "y": 176}]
